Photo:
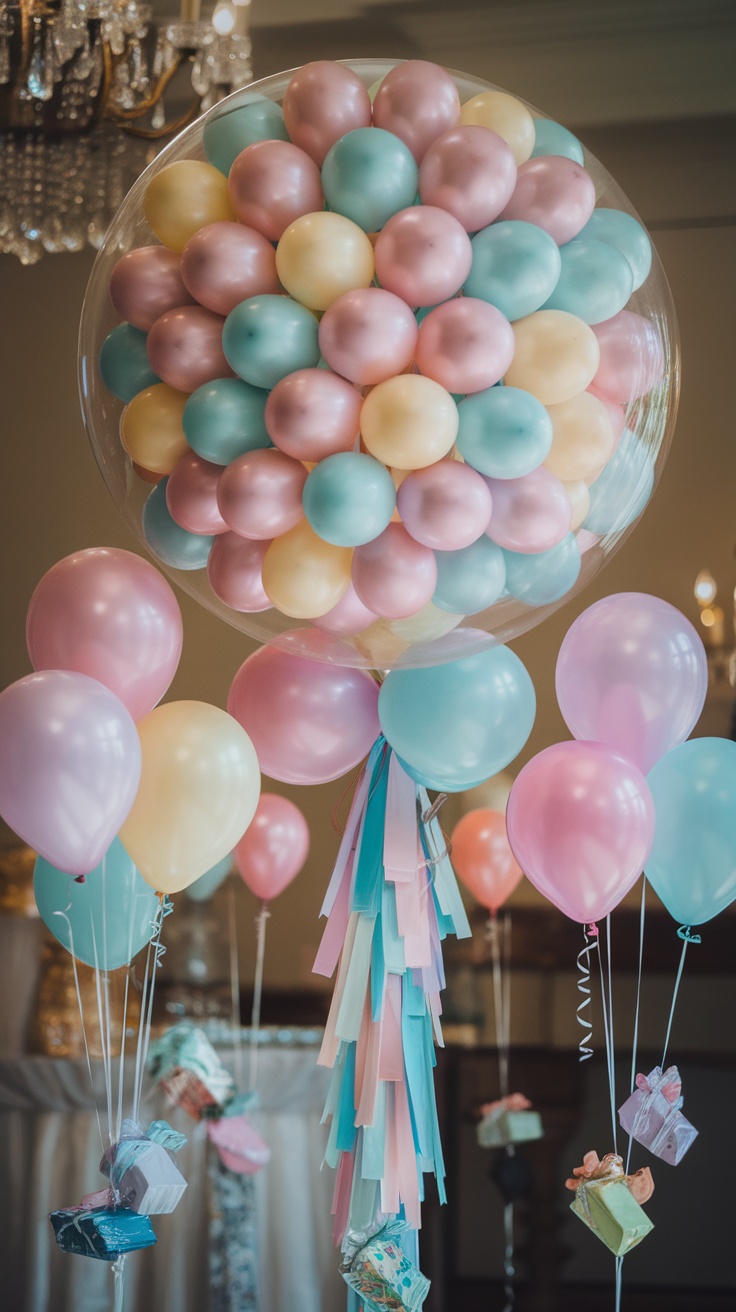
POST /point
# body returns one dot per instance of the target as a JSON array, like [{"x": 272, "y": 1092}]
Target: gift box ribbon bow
[
  {"x": 513, "y": 1102},
  {"x": 596, "y": 1170},
  {"x": 133, "y": 1141},
  {"x": 668, "y": 1083}
]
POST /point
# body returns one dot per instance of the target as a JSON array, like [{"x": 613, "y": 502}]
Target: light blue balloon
[
  {"x": 455, "y": 725},
  {"x": 545, "y": 576},
  {"x": 227, "y": 133},
  {"x": 110, "y": 915},
  {"x": 123, "y": 362},
  {"x": 552, "y": 139},
  {"x": 595, "y": 281},
  {"x": 267, "y": 337},
  {"x": 349, "y": 498},
  {"x": 224, "y": 419},
  {"x": 471, "y": 579},
  {"x": 692, "y": 865},
  {"x": 208, "y": 883},
  {"x": 623, "y": 231},
  {"x": 504, "y": 432},
  {"x": 172, "y": 544},
  {"x": 622, "y": 490},
  {"x": 369, "y": 175},
  {"x": 515, "y": 266}
]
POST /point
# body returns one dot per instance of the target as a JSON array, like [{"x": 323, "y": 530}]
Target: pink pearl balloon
[
  {"x": 309, "y": 721},
  {"x": 235, "y": 572},
  {"x": 348, "y": 617},
  {"x": 423, "y": 255},
  {"x": 531, "y": 513},
  {"x": 271, "y": 184},
  {"x": 445, "y": 506},
  {"x": 260, "y": 493},
  {"x": 191, "y": 495},
  {"x": 313, "y": 413},
  {"x": 368, "y": 335},
  {"x": 109, "y": 614},
  {"x": 465, "y": 344},
  {"x": 322, "y": 102},
  {"x": 416, "y": 101},
  {"x": 273, "y": 848},
  {"x": 554, "y": 192},
  {"x": 471, "y": 172},
  {"x": 394, "y": 576},
  {"x": 225, "y": 263},
  {"x": 146, "y": 283},
  {"x": 185, "y": 348},
  {"x": 632, "y": 357}
]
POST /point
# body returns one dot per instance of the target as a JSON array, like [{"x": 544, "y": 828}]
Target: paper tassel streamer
[
  {"x": 609, "y": 1201},
  {"x": 141, "y": 1171},
  {"x": 652, "y": 1115}
]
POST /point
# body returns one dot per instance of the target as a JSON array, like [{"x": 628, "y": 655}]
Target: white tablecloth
[{"x": 49, "y": 1157}]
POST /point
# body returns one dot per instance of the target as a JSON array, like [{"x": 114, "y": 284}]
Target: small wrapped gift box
[
  {"x": 102, "y": 1232},
  {"x": 652, "y": 1115},
  {"x": 239, "y": 1145},
  {"x": 509, "y": 1120},
  {"x": 382, "y": 1275},
  {"x": 191, "y": 1073},
  {"x": 141, "y": 1171},
  {"x": 609, "y": 1202}
]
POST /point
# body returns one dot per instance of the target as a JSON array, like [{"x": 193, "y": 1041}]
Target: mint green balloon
[
  {"x": 369, "y": 175},
  {"x": 267, "y": 337},
  {"x": 515, "y": 267},
  {"x": 124, "y": 366},
  {"x": 622, "y": 490},
  {"x": 104, "y": 920},
  {"x": 203, "y": 888},
  {"x": 349, "y": 498},
  {"x": 173, "y": 545},
  {"x": 624, "y": 232},
  {"x": 545, "y": 576},
  {"x": 552, "y": 139},
  {"x": 595, "y": 281},
  {"x": 470, "y": 579},
  {"x": 229, "y": 132},
  {"x": 504, "y": 432},
  {"x": 224, "y": 419}
]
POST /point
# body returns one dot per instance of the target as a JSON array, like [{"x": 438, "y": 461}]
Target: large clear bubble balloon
[{"x": 402, "y": 269}]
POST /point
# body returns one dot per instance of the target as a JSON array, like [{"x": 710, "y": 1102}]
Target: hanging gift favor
[
  {"x": 652, "y": 1115},
  {"x": 141, "y": 1170},
  {"x": 190, "y": 1072},
  {"x": 104, "y": 1232},
  {"x": 380, "y": 1272},
  {"x": 508, "y": 1120},
  {"x": 609, "y": 1201}
]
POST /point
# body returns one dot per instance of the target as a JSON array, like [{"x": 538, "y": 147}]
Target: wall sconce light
[{"x": 719, "y": 646}]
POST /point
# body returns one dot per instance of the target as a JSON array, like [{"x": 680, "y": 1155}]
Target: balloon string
[
  {"x": 590, "y": 936},
  {"x": 103, "y": 1029},
  {"x": 685, "y": 940},
  {"x": 607, "y": 1004},
  {"x": 508, "y": 1257},
  {"x": 635, "y": 1040},
  {"x": 123, "y": 1035},
  {"x": 64, "y": 916},
  {"x": 235, "y": 981},
  {"x": 137, "y": 1080},
  {"x": 500, "y": 1000},
  {"x": 118, "y": 1271},
  {"x": 255, "y": 1019},
  {"x": 619, "y": 1281},
  {"x": 154, "y": 957}
]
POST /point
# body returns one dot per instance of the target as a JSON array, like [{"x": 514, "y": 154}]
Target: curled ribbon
[
  {"x": 590, "y": 934},
  {"x": 686, "y": 933}
]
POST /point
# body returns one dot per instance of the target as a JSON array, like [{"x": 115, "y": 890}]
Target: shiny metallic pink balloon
[
  {"x": 423, "y": 255},
  {"x": 465, "y": 344},
  {"x": 185, "y": 348},
  {"x": 313, "y": 413},
  {"x": 225, "y": 263},
  {"x": 554, "y": 192},
  {"x": 469, "y": 171},
  {"x": 146, "y": 283},
  {"x": 260, "y": 493},
  {"x": 191, "y": 495},
  {"x": 394, "y": 576},
  {"x": 109, "y": 614},
  {"x": 632, "y": 357},
  {"x": 445, "y": 506},
  {"x": 271, "y": 184},
  {"x": 273, "y": 848},
  {"x": 322, "y": 102},
  {"x": 368, "y": 335},
  {"x": 348, "y": 617},
  {"x": 235, "y": 572},
  {"x": 417, "y": 101},
  {"x": 531, "y": 513}
]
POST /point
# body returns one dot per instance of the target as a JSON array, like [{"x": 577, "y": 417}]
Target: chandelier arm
[
  {"x": 155, "y": 134},
  {"x": 123, "y": 116}
]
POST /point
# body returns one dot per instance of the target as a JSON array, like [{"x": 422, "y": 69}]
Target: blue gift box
[{"x": 103, "y": 1232}]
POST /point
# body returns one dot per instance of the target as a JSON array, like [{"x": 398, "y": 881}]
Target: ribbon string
[
  {"x": 255, "y": 1019},
  {"x": 635, "y": 1039},
  {"x": 686, "y": 936},
  {"x": 590, "y": 944}
]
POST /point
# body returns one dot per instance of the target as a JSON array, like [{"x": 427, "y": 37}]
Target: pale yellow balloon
[
  {"x": 151, "y": 430},
  {"x": 183, "y": 198},
  {"x": 199, "y": 788},
  {"x": 556, "y": 356},
  {"x": 409, "y": 421},
  {"x": 322, "y": 255},
  {"x": 583, "y": 437},
  {"x": 580, "y": 502},
  {"x": 505, "y": 115},
  {"x": 429, "y": 623},
  {"x": 304, "y": 576}
]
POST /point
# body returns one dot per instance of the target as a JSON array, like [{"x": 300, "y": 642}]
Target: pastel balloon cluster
[
  {"x": 392, "y": 368},
  {"x": 629, "y": 793}
]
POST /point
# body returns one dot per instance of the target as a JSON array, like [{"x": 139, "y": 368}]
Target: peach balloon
[
  {"x": 260, "y": 493},
  {"x": 482, "y": 857},
  {"x": 145, "y": 283},
  {"x": 505, "y": 115},
  {"x": 580, "y": 502},
  {"x": 409, "y": 421},
  {"x": 225, "y": 263},
  {"x": 556, "y": 356},
  {"x": 191, "y": 495},
  {"x": 368, "y": 335},
  {"x": 151, "y": 430},
  {"x": 186, "y": 346},
  {"x": 471, "y": 172},
  {"x": 182, "y": 198},
  {"x": 313, "y": 413},
  {"x": 466, "y": 345},
  {"x": 322, "y": 102},
  {"x": 235, "y": 572},
  {"x": 416, "y": 100},
  {"x": 321, "y": 256},
  {"x": 393, "y": 575},
  {"x": 583, "y": 437},
  {"x": 271, "y": 184},
  {"x": 304, "y": 576},
  {"x": 423, "y": 255}
]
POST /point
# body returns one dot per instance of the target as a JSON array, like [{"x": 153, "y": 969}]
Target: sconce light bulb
[
  {"x": 223, "y": 20},
  {"x": 705, "y": 588}
]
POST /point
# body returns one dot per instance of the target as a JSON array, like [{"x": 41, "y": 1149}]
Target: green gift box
[
  {"x": 502, "y": 1127},
  {"x": 610, "y": 1210}
]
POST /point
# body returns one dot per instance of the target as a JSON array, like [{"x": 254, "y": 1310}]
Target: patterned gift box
[
  {"x": 509, "y": 1120},
  {"x": 101, "y": 1232},
  {"x": 141, "y": 1171},
  {"x": 191, "y": 1073},
  {"x": 383, "y": 1277},
  {"x": 652, "y": 1115},
  {"x": 609, "y": 1202}
]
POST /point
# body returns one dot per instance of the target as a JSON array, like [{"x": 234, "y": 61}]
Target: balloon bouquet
[{"x": 396, "y": 375}]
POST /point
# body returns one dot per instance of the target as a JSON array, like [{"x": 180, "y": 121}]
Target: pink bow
[
  {"x": 513, "y": 1102},
  {"x": 611, "y": 1167},
  {"x": 668, "y": 1083}
]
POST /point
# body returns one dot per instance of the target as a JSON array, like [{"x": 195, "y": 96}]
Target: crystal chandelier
[{"x": 88, "y": 91}]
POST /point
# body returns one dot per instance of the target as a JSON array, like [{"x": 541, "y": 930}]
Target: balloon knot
[
  {"x": 686, "y": 933},
  {"x": 592, "y": 930},
  {"x": 80, "y": 879}
]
